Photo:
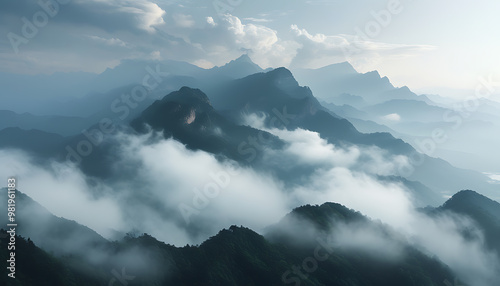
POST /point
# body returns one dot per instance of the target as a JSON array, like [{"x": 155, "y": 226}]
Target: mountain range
[
  {"x": 280, "y": 133},
  {"x": 308, "y": 239}
]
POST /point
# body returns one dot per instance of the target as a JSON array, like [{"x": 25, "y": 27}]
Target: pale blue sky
[{"x": 431, "y": 46}]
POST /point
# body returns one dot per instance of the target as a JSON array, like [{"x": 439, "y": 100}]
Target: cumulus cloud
[
  {"x": 262, "y": 43},
  {"x": 251, "y": 36},
  {"x": 143, "y": 27},
  {"x": 53, "y": 46},
  {"x": 211, "y": 21},
  {"x": 318, "y": 50},
  {"x": 187, "y": 32}
]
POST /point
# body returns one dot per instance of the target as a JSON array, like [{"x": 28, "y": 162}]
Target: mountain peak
[
  {"x": 321, "y": 215},
  {"x": 468, "y": 199},
  {"x": 283, "y": 79},
  {"x": 187, "y": 95},
  {"x": 179, "y": 114},
  {"x": 405, "y": 88},
  {"x": 374, "y": 73},
  {"x": 339, "y": 69},
  {"x": 240, "y": 67},
  {"x": 280, "y": 72},
  {"x": 346, "y": 66},
  {"x": 243, "y": 59},
  {"x": 466, "y": 195}
]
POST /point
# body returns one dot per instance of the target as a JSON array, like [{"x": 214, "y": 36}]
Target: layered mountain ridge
[
  {"x": 226, "y": 114},
  {"x": 239, "y": 255}
]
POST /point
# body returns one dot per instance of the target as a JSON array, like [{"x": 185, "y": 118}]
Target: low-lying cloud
[{"x": 182, "y": 196}]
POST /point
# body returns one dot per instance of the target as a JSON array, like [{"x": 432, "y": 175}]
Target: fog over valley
[{"x": 247, "y": 143}]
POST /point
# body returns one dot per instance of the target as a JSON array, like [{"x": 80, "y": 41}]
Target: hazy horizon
[
  {"x": 421, "y": 44},
  {"x": 238, "y": 142}
]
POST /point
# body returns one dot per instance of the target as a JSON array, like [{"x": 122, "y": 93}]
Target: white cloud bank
[{"x": 165, "y": 181}]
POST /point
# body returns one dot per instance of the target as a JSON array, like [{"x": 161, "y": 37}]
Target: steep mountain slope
[
  {"x": 239, "y": 256},
  {"x": 36, "y": 267},
  {"x": 277, "y": 94},
  {"x": 484, "y": 211},
  {"x": 54, "y": 234},
  {"x": 238, "y": 68},
  {"x": 286, "y": 104},
  {"x": 385, "y": 252},
  {"x": 188, "y": 116}
]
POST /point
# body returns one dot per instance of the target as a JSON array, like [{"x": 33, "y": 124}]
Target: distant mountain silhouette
[
  {"x": 38, "y": 143},
  {"x": 410, "y": 110},
  {"x": 217, "y": 127},
  {"x": 332, "y": 83},
  {"x": 238, "y": 68},
  {"x": 85, "y": 94},
  {"x": 62, "y": 125}
]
